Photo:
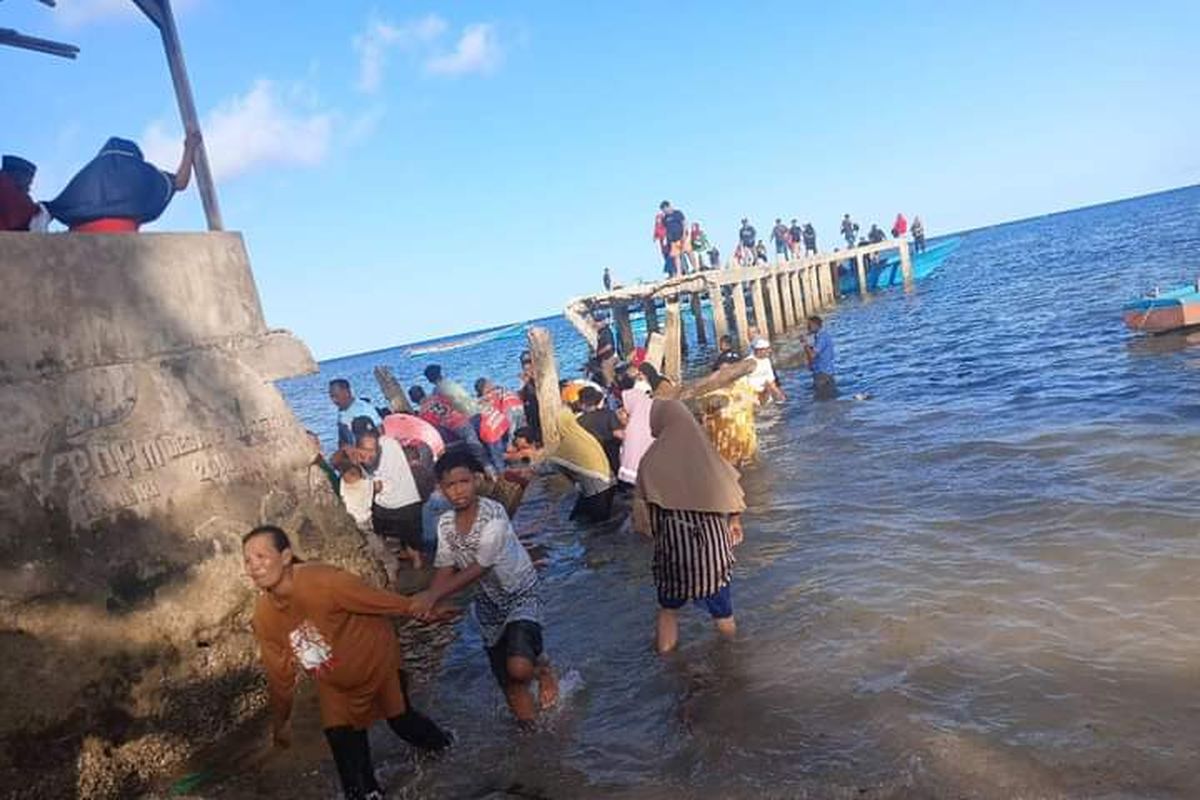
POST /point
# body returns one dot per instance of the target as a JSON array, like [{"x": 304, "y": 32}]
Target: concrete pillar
[
  {"x": 861, "y": 269},
  {"x": 760, "y": 306},
  {"x": 739, "y": 312},
  {"x": 698, "y": 317},
  {"x": 906, "y": 269},
  {"x": 673, "y": 342},
  {"x": 716, "y": 297},
  {"x": 650, "y": 311}
]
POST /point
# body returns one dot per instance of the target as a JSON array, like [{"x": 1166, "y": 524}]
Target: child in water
[{"x": 477, "y": 544}]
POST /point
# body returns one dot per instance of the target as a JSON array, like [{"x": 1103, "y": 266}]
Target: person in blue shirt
[
  {"x": 820, "y": 359},
  {"x": 349, "y": 407}
]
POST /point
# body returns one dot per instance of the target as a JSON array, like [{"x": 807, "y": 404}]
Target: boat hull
[{"x": 1172, "y": 311}]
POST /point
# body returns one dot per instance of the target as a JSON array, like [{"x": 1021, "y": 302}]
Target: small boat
[
  {"x": 886, "y": 273},
  {"x": 1160, "y": 312}
]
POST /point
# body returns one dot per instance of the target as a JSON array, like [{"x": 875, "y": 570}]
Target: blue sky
[{"x": 404, "y": 170}]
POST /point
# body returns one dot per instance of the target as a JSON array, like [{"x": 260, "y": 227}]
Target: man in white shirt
[
  {"x": 396, "y": 511},
  {"x": 763, "y": 380},
  {"x": 349, "y": 407}
]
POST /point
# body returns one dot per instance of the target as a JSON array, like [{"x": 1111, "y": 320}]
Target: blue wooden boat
[
  {"x": 1160, "y": 312},
  {"x": 886, "y": 272}
]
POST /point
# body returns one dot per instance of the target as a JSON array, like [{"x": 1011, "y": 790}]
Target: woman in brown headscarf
[{"x": 690, "y": 503}]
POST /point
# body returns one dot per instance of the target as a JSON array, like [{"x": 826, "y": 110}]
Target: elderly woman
[{"x": 689, "y": 501}]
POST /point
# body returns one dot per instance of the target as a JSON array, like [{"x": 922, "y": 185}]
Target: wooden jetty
[{"x": 781, "y": 296}]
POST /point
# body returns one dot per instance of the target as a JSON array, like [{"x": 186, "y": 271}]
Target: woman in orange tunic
[{"x": 327, "y": 622}]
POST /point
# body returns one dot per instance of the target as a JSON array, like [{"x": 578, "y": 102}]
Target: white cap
[{"x": 760, "y": 344}]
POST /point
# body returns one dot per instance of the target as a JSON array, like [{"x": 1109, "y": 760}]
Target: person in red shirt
[
  {"x": 900, "y": 226},
  {"x": 17, "y": 209}
]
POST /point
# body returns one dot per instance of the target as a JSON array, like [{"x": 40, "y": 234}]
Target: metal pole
[{"x": 159, "y": 12}]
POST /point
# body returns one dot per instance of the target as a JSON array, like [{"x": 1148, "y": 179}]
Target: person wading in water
[
  {"x": 694, "y": 516},
  {"x": 328, "y": 623}
]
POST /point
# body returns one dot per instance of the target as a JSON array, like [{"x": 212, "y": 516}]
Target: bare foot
[{"x": 547, "y": 685}]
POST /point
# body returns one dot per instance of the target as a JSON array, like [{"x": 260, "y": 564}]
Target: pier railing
[{"x": 781, "y": 296}]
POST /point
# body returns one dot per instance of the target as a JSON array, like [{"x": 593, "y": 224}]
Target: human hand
[
  {"x": 421, "y": 605},
  {"x": 442, "y": 613},
  {"x": 736, "y": 532}
]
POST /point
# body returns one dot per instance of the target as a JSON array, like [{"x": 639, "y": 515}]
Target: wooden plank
[
  {"x": 760, "y": 306},
  {"x": 771, "y": 285},
  {"x": 650, "y": 311},
  {"x": 392, "y": 390},
  {"x": 673, "y": 342},
  {"x": 625, "y": 340},
  {"x": 740, "y": 315},
  {"x": 727, "y": 374},
  {"x": 906, "y": 268},
  {"x": 655, "y": 347},
  {"x": 698, "y": 318},
  {"x": 861, "y": 268},
  {"x": 545, "y": 379},
  {"x": 716, "y": 298}
]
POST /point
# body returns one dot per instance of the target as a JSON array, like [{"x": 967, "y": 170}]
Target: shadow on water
[{"x": 980, "y": 583}]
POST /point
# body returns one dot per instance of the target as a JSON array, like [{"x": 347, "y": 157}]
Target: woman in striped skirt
[{"x": 690, "y": 503}]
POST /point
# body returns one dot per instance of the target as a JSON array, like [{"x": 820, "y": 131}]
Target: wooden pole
[
  {"x": 655, "y": 346},
  {"x": 832, "y": 276},
  {"x": 650, "y": 311},
  {"x": 673, "y": 351},
  {"x": 620, "y": 312},
  {"x": 159, "y": 12},
  {"x": 811, "y": 302},
  {"x": 797, "y": 295},
  {"x": 785, "y": 297},
  {"x": 906, "y": 269},
  {"x": 772, "y": 288},
  {"x": 716, "y": 298},
  {"x": 392, "y": 390},
  {"x": 545, "y": 379},
  {"x": 760, "y": 307},
  {"x": 861, "y": 268},
  {"x": 739, "y": 312},
  {"x": 698, "y": 318}
]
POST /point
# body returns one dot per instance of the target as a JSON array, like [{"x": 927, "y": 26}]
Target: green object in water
[{"x": 189, "y": 782}]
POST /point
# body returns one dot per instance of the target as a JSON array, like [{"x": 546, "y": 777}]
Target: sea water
[{"x": 982, "y": 582}]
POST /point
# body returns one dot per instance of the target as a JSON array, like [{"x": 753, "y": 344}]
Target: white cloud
[
  {"x": 478, "y": 50},
  {"x": 262, "y": 127},
  {"x": 380, "y": 36}
]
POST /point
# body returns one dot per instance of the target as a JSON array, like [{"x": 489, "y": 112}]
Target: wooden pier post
[
  {"x": 785, "y": 296},
  {"x": 739, "y": 311},
  {"x": 760, "y": 307},
  {"x": 392, "y": 390},
  {"x": 655, "y": 345},
  {"x": 545, "y": 379},
  {"x": 772, "y": 287},
  {"x": 625, "y": 340},
  {"x": 906, "y": 269},
  {"x": 698, "y": 317},
  {"x": 716, "y": 298},
  {"x": 830, "y": 282},
  {"x": 861, "y": 268},
  {"x": 797, "y": 294},
  {"x": 673, "y": 341},
  {"x": 650, "y": 311}
]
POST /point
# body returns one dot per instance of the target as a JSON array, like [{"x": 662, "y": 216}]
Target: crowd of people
[
  {"x": 417, "y": 483},
  {"x": 686, "y": 249},
  {"x": 118, "y": 191}
]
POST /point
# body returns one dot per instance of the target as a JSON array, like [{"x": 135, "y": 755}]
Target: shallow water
[{"x": 982, "y": 582}]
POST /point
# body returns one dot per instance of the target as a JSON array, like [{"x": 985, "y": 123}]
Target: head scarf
[
  {"x": 682, "y": 470},
  {"x": 637, "y": 432},
  {"x": 579, "y": 451},
  {"x": 117, "y": 183}
]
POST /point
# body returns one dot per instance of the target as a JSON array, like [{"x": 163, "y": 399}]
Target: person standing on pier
[
  {"x": 327, "y": 622},
  {"x": 810, "y": 239},
  {"x": 819, "y": 353},
  {"x": 779, "y": 236},
  {"x": 900, "y": 226},
  {"x": 849, "y": 230},
  {"x": 747, "y": 236},
  {"x": 607, "y": 280},
  {"x": 674, "y": 226},
  {"x": 349, "y": 408},
  {"x": 918, "y": 234},
  {"x": 795, "y": 238},
  {"x": 693, "y": 515}
]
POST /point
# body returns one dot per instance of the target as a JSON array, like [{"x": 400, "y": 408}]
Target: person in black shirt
[
  {"x": 529, "y": 398},
  {"x": 849, "y": 230},
  {"x": 779, "y": 235},
  {"x": 728, "y": 354},
  {"x": 603, "y": 423},
  {"x": 607, "y": 280},
  {"x": 674, "y": 223},
  {"x": 795, "y": 235},
  {"x": 810, "y": 238},
  {"x": 747, "y": 236}
]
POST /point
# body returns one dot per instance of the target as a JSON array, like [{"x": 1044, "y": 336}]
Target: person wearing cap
[
  {"x": 763, "y": 380},
  {"x": 118, "y": 191},
  {"x": 820, "y": 359},
  {"x": 18, "y": 211}
]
